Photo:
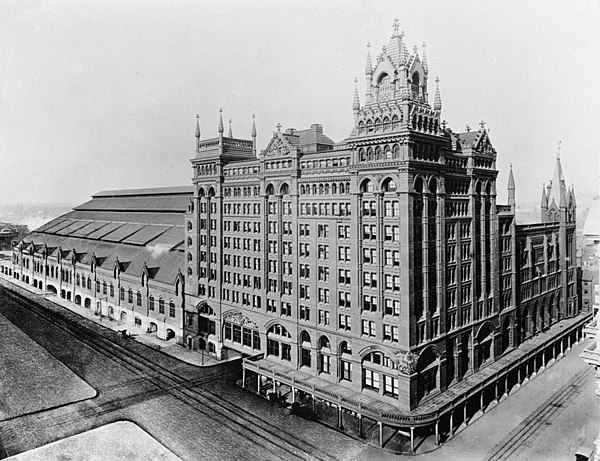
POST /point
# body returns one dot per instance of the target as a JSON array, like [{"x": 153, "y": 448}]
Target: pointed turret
[
  {"x": 253, "y": 133},
  {"x": 221, "y": 122},
  {"x": 437, "y": 99},
  {"x": 197, "y": 132},
  {"x": 368, "y": 64},
  {"x": 511, "y": 187},
  {"x": 544, "y": 204},
  {"x": 558, "y": 190},
  {"x": 356, "y": 101},
  {"x": 230, "y": 134}
]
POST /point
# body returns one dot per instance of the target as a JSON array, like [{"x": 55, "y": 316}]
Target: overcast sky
[{"x": 99, "y": 95}]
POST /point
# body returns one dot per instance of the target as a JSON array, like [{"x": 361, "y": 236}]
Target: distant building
[{"x": 375, "y": 274}]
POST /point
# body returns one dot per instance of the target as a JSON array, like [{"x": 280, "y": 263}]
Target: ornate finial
[
  {"x": 368, "y": 64},
  {"x": 197, "y": 131},
  {"x": 444, "y": 123},
  {"x": 424, "y": 60},
  {"x": 279, "y": 127},
  {"x": 383, "y": 49},
  {"x": 482, "y": 124},
  {"x": 221, "y": 120},
  {"x": 437, "y": 100},
  {"x": 415, "y": 50},
  {"x": 355, "y": 101},
  {"x": 558, "y": 150},
  {"x": 396, "y": 27},
  {"x": 230, "y": 132},
  {"x": 253, "y": 127},
  {"x": 468, "y": 128}
]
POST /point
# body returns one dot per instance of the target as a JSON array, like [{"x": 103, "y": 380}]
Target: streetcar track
[
  {"x": 237, "y": 419},
  {"x": 538, "y": 418}
]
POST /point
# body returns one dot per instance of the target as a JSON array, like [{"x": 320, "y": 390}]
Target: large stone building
[{"x": 376, "y": 273}]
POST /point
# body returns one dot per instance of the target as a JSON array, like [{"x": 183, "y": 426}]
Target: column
[
  {"x": 497, "y": 395},
  {"x": 451, "y": 423},
  {"x": 437, "y": 431},
  {"x": 412, "y": 439},
  {"x": 293, "y": 395},
  {"x": 380, "y": 434},
  {"x": 481, "y": 402},
  {"x": 340, "y": 416},
  {"x": 465, "y": 413},
  {"x": 359, "y": 425},
  {"x": 258, "y": 383},
  {"x": 243, "y": 377}
]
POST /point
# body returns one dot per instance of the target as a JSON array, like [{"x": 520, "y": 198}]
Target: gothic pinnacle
[
  {"x": 424, "y": 60},
  {"x": 396, "y": 27},
  {"x": 221, "y": 121},
  {"x": 197, "y": 131},
  {"x": 355, "y": 101},
  {"x": 437, "y": 99},
  {"x": 230, "y": 134},
  {"x": 253, "y": 127},
  {"x": 368, "y": 64}
]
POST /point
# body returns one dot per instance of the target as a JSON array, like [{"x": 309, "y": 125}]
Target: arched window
[
  {"x": 345, "y": 368},
  {"x": 189, "y": 241},
  {"x": 122, "y": 291},
  {"x": 285, "y": 189},
  {"x": 161, "y": 306},
  {"x": 389, "y": 185},
  {"x": 77, "y": 280},
  {"x": 112, "y": 290},
  {"x": 139, "y": 299},
  {"x": 130, "y": 295},
  {"x": 427, "y": 369},
  {"x": 151, "y": 302},
  {"x": 189, "y": 225},
  {"x": 103, "y": 287},
  {"x": 171, "y": 309},
  {"x": 324, "y": 355},
  {"x": 379, "y": 373},
  {"x": 278, "y": 343},
  {"x": 367, "y": 186}
]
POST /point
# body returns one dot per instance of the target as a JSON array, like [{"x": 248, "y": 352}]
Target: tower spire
[
  {"x": 424, "y": 60},
  {"x": 221, "y": 121},
  {"x": 396, "y": 27},
  {"x": 355, "y": 101},
  {"x": 437, "y": 99},
  {"x": 511, "y": 187},
  {"x": 230, "y": 134},
  {"x": 368, "y": 64},
  {"x": 253, "y": 133},
  {"x": 197, "y": 132}
]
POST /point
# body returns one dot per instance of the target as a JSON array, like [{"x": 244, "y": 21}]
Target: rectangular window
[
  {"x": 391, "y": 386},
  {"x": 371, "y": 379}
]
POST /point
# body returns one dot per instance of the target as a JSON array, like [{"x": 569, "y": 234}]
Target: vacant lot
[{"x": 31, "y": 379}]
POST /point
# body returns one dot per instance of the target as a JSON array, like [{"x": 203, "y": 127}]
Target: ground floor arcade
[{"x": 379, "y": 421}]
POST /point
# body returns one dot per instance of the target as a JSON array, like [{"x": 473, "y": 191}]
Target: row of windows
[
  {"x": 325, "y": 209},
  {"x": 241, "y": 208}
]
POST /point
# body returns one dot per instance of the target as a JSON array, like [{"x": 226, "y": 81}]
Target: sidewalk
[{"x": 149, "y": 339}]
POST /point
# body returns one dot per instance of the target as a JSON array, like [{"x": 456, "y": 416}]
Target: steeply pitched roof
[{"x": 134, "y": 226}]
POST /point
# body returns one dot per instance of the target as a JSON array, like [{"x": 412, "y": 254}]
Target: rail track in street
[
  {"x": 274, "y": 439},
  {"x": 511, "y": 444}
]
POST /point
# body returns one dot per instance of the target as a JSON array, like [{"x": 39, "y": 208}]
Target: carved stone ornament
[
  {"x": 239, "y": 319},
  {"x": 407, "y": 362},
  {"x": 278, "y": 147}
]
